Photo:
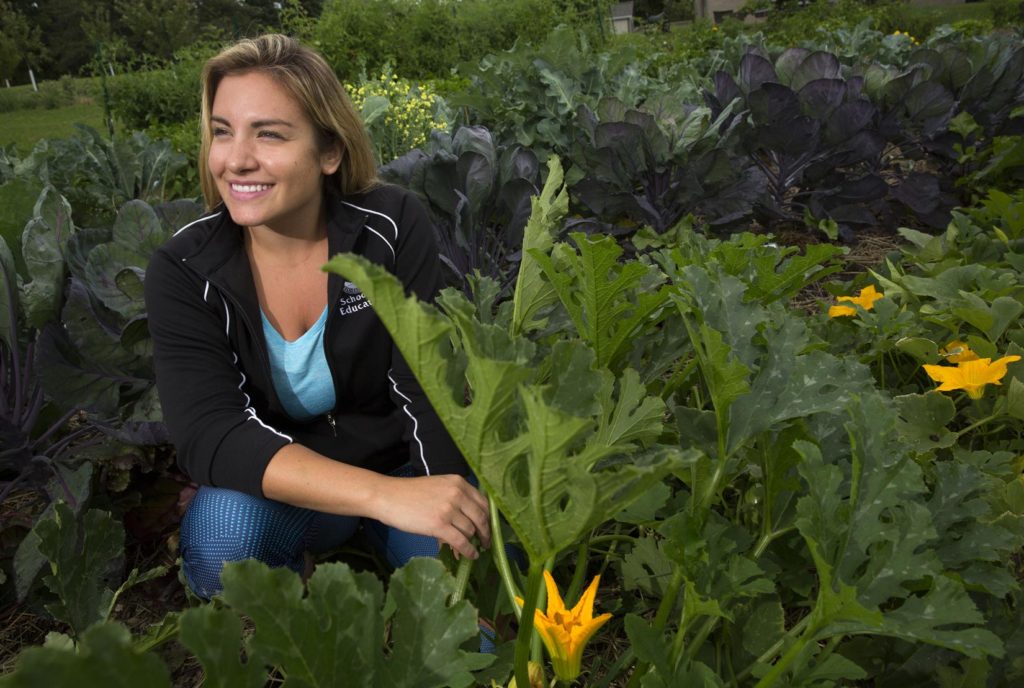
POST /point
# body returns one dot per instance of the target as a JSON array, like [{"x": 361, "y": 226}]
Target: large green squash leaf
[
  {"x": 604, "y": 298},
  {"x": 554, "y": 461},
  {"x": 873, "y": 540},
  {"x": 214, "y": 635},
  {"x": 104, "y": 658},
  {"x": 335, "y": 635}
]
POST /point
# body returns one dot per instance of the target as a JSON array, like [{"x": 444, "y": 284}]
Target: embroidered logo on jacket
[
  {"x": 351, "y": 289},
  {"x": 353, "y": 303}
]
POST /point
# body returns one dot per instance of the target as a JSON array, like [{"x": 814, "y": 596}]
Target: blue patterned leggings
[{"x": 225, "y": 525}]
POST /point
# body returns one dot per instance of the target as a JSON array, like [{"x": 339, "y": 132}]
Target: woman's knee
[{"x": 222, "y": 526}]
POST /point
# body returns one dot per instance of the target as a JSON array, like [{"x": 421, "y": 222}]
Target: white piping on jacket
[
  {"x": 415, "y": 423},
  {"x": 249, "y": 410},
  {"x": 208, "y": 217},
  {"x": 394, "y": 226}
]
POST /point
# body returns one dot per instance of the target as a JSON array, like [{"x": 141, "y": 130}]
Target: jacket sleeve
[
  {"x": 219, "y": 438},
  {"x": 417, "y": 266}
]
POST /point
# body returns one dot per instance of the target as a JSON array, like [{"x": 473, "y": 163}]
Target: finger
[
  {"x": 454, "y": 538},
  {"x": 464, "y": 524},
  {"x": 481, "y": 522}
]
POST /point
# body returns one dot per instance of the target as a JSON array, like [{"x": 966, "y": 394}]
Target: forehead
[{"x": 254, "y": 95}]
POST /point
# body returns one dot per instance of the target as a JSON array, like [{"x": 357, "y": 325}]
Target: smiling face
[{"x": 265, "y": 157}]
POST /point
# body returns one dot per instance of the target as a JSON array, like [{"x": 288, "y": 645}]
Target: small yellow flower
[
  {"x": 566, "y": 632},
  {"x": 865, "y": 299},
  {"x": 536, "y": 672},
  {"x": 958, "y": 352},
  {"x": 970, "y": 376}
]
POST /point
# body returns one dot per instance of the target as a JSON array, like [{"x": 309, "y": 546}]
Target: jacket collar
[{"x": 221, "y": 257}]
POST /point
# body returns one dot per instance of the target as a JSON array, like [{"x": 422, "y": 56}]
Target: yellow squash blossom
[
  {"x": 536, "y": 672},
  {"x": 958, "y": 352},
  {"x": 566, "y": 632},
  {"x": 865, "y": 299},
  {"x": 970, "y": 376}
]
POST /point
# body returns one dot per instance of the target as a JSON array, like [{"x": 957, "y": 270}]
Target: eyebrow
[{"x": 258, "y": 123}]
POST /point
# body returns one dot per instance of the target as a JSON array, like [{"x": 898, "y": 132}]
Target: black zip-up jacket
[{"x": 213, "y": 367}]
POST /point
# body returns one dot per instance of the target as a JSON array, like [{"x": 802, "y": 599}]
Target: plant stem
[
  {"x": 573, "y": 591},
  {"x": 536, "y": 647},
  {"x": 660, "y": 618},
  {"x": 501, "y": 558},
  {"x": 972, "y": 426},
  {"x": 525, "y": 635},
  {"x": 461, "y": 580},
  {"x": 610, "y": 537}
]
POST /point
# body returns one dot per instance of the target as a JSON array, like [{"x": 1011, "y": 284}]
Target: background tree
[
  {"x": 157, "y": 27},
  {"x": 20, "y": 44},
  {"x": 59, "y": 25}
]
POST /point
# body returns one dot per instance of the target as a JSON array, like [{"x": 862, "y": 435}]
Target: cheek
[{"x": 215, "y": 161}]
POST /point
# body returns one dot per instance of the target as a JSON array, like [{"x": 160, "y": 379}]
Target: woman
[{"x": 284, "y": 395}]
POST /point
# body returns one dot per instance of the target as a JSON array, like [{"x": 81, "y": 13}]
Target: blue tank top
[{"x": 299, "y": 370}]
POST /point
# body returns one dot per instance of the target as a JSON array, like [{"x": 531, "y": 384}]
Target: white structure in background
[
  {"x": 717, "y": 10},
  {"x": 622, "y": 17}
]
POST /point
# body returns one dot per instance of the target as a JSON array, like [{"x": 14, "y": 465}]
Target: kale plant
[{"x": 478, "y": 195}]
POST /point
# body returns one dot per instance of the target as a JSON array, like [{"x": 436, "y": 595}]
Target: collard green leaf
[
  {"x": 817, "y": 65},
  {"x": 74, "y": 488},
  {"x": 43, "y": 247},
  {"x": 9, "y": 307},
  {"x": 71, "y": 380},
  {"x": 755, "y": 71},
  {"x": 105, "y": 659},
  {"x": 17, "y": 202},
  {"x": 80, "y": 551}
]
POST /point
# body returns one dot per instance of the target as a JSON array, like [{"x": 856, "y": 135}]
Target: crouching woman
[{"x": 284, "y": 395}]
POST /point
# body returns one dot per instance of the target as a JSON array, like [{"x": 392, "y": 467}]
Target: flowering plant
[{"x": 398, "y": 113}]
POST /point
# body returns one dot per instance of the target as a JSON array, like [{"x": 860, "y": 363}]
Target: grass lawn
[{"x": 26, "y": 127}]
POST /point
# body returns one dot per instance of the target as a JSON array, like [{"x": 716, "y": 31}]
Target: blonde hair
[{"x": 307, "y": 77}]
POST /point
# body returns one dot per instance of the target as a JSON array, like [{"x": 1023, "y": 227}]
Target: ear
[{"x": 330, "y": 158}]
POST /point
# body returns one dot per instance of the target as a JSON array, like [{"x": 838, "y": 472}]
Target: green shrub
[
  {"x": 1007, "y": 12},
  {"x": 161, "y": 96},
  {"x": 51, "y": 94},
  {"x": 426, "y": 39}
]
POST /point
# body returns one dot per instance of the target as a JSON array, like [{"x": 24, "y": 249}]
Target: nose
[{"x": 240, "y": 155}]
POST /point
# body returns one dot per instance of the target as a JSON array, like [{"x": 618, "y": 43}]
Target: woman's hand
[{"x": 443, "y": 506}]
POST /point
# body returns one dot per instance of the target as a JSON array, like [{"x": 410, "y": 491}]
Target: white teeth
[{"x": 249, "y": 188}]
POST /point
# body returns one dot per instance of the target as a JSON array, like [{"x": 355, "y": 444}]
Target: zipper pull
[{"x": 334, "y": 427}]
